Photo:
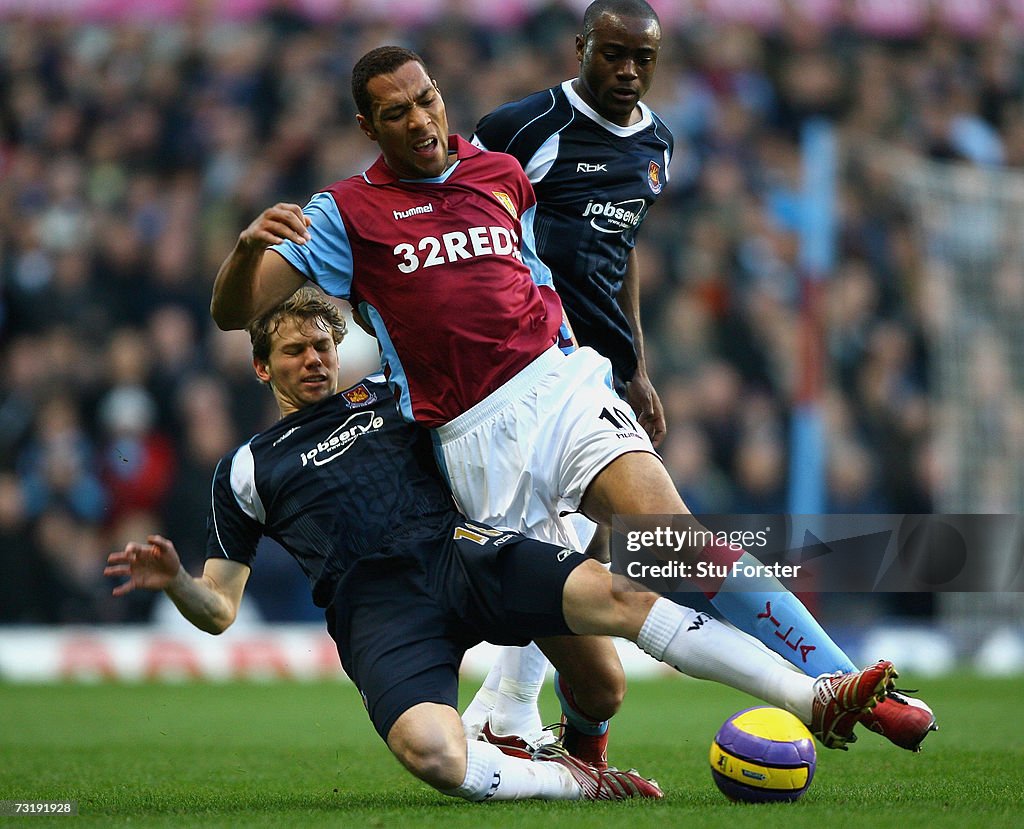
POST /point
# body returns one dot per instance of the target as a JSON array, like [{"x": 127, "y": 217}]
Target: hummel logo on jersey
[
  {"x": 614, "y": 218},
  {"x": 338, "y": 442},
  {"x": 584, "y": 167},
  {"x": 414, "y": 211}
]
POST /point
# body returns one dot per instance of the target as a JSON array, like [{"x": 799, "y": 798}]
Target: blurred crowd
[{"x": 131, "y": 156}]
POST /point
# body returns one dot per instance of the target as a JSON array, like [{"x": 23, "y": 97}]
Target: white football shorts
[{"x": 522, "y": 458}]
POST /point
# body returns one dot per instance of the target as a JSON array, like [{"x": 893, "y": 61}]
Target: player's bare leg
[
  {"x": 599, "y": 547},
  {"x": 590, "y": 685},
  {"x": 424, "y": 741}
]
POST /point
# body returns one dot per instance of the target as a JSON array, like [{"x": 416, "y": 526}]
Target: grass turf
[{"x": 305, "y": 755}]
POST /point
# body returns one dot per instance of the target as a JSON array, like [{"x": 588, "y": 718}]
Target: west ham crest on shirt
[
  {"x": 654, "y": 177},
  {"x": 359, "y": 396}
]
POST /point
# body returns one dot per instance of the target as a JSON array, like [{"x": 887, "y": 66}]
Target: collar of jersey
[
  {"x": 380, "y": 173},
  {"x": 623, "y": 132}
]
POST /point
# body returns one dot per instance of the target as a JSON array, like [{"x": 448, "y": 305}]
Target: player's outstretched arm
[
  {"x": 249, "y": 282},
  {"x": 209, "y": 602}
]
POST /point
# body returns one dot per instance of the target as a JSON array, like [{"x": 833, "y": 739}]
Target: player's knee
[
  {"x": 437, "y": 760},
  {"x": 629, "y": 609},
  {"x": 429, "y": 741},
  {"x": 593, "y": 604}
]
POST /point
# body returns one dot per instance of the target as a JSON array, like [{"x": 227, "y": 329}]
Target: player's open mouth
[
  {"x": 315, "y": 380},
  {"x": 626, "y": 94},
  {"x": 425, "y": 147}
]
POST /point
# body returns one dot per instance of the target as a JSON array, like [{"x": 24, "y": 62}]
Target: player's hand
[
  {"x": 151, "y": 566},
  {"x": 282, "y": 222},
  {"x": 647, "y": 406}
]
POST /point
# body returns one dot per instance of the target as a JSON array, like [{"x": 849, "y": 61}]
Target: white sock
[
  {"x": 475, "y": 715},
  {"x": 491, "y": 775},
  {"x": 699, "y": 646},
  {"x": 523, "y": 671}
]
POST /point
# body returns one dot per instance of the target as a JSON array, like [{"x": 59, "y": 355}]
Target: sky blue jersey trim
[
  {"x": 441, "y": 179},
  {"x": 540, "y": 272},
  {"x": 327, "y": 257},
  {"x": 398, "y": 380}
]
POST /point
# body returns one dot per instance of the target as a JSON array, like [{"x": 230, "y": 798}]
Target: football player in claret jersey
[
  {"x": 433, "y": 245},
  {"x": 343, "y": 483},
  {"x": 598, "y": 158}
]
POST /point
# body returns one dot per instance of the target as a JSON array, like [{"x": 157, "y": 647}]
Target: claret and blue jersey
[
  {"x": 443, "y": 269},
  {"x": 594, "y": 182}
]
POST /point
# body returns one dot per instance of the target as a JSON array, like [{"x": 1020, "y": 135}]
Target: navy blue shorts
[{"x": 403, "y": 624}]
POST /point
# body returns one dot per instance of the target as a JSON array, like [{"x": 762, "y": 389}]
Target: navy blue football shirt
[
  {"x": 345, "y": 480},
  {"x": 595, "y": 182}
]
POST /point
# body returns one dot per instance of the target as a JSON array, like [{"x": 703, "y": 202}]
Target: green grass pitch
[{"x": 304, "y": 755}]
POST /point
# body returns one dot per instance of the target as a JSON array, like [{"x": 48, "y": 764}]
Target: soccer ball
[{"x": 763, "y": 755}]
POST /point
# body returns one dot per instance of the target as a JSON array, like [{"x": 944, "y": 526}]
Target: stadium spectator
[
  {"x": 138, "y": 463},
  {"x": 58, "y": 465},
  {"x": 71, "y": 552},
  {"x": 20, "y": 591}
]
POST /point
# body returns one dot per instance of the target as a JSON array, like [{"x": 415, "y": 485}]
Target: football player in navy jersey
[
  {"x": 598, "y": 158},
  {"x": 433, "y": 245},
  {"x": 343, "y": 483}
]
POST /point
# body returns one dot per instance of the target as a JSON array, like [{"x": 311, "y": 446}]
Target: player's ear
[
  {"x": 366, "y": 127},
  {"x": 581, "y": 45},
  {"x": 262, "y": 369}
]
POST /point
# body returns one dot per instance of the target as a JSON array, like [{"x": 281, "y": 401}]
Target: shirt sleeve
[
  {"x": 540, "y": 272},
  {"x": 326, "y": 258},
  {"x": 235, "y": 525}
]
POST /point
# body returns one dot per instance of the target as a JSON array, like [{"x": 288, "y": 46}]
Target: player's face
[
  {"x": 303, "y": 364},
  {"x": 617, "y": 63},
  {"x": 409, "y": 122}
]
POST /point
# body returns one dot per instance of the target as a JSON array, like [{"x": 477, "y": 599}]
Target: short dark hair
[
  {"x": 305, "y": 305},
  {"x": 619, "y": 8},
  {"x": 380, "y": 61}
]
